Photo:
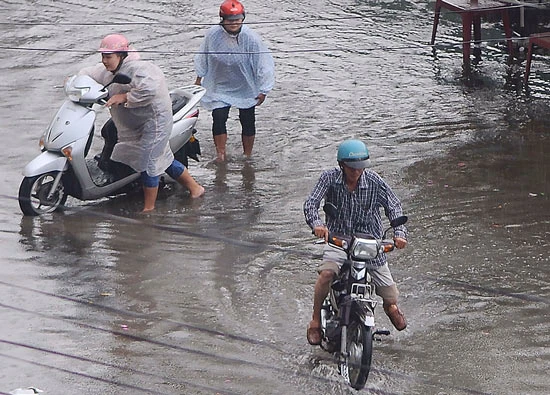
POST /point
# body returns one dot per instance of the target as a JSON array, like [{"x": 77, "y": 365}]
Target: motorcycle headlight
[{"x": 363, "y": 249}]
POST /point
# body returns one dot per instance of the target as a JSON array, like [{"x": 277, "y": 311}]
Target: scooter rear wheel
[{"x": 34, "y": 191}]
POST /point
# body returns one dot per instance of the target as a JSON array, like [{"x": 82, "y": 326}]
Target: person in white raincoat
[
  {"x": 237, "y": 69},
  {"x": 142, "y": 114}
]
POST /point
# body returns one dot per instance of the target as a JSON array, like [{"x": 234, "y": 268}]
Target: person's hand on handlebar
[
  {"x": 321, "y": 231},
  {"x": 120, "y": 98},
  {"x": 400, "y": 242}
]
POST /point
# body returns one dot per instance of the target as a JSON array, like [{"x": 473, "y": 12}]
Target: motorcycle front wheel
[
  {"x": 34, "y": 191},
  {"x": 356, "y": 364}
]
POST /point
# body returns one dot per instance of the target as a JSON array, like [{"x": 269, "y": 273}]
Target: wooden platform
[
  {"x": 471, "y": 12},
  {"x": 541, "y": 40}
]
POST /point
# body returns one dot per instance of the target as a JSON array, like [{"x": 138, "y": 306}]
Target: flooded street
[{"x": 212, "y": 296}]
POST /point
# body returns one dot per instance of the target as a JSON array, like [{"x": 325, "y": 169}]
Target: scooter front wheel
[
  {"x": 35, "y": 197},
  {"x": 357, "y": 361}
]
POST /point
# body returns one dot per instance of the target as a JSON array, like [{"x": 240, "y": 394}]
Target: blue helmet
[{"x": 353, "y": 153}]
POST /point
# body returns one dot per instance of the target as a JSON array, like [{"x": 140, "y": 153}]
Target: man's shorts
[{"x": 333, "y": 259}]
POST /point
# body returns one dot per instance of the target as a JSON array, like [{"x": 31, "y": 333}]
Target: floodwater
[{"x": 213, "y": 295}]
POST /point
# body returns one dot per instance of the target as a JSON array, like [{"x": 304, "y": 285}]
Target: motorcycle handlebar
[{"x": 344, "y": 242}]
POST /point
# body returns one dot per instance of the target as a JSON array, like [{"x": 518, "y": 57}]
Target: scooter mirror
[
  {"x": 119, "y": 79},
  {"x": 330, "y": 210},
  {"x": 399, "y": 221}
]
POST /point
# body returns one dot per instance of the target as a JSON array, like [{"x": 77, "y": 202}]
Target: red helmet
[
  {"x": 114, "y": 43},
  {"x": 232, "y": 9}
]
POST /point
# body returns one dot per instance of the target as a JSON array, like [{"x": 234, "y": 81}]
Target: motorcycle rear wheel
[
  {"x": 359, "y": 354},
  {"x": 34, "y": 191}
]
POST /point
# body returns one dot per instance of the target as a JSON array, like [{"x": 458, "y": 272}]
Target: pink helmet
[{"x": 114, "y": 43}]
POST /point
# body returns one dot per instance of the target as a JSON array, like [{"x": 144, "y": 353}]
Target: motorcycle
[
  {"x": 63, "y": 169},
  {"x": 347, "y": 314}
]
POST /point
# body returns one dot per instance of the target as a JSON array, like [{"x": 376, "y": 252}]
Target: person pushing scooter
[{"x": 142, "y": 114}]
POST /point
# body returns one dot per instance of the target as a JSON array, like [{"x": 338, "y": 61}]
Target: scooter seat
[{"x": 178, "y": 102}]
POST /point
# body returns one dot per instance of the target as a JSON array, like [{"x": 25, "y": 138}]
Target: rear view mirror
[
  {"x": 119, "y": 79},
  {"x": 399, "y": 221},
  {"x": 330, "y": 210}
]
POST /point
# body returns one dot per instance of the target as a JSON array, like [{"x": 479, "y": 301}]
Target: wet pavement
[{"x": 213, "y": 295}]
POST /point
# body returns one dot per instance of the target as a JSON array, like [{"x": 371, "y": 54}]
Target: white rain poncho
[
  {"x": 145, "y": 122},
  {"x": 234, "y": 68}
]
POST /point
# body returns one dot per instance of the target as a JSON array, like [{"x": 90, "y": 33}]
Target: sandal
[
  {"x": 314, "y": 335},
  {"x": 396, "y": 317}
]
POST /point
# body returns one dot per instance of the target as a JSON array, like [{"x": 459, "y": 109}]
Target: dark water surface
[{"x": 213, "y": 296}]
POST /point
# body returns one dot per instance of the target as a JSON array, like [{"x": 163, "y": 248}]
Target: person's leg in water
[
  {"x": 327, "y": 272},
  {"x": 329, "y": 269},
  {"x": 179, "y": 173},
  {"x": 247, "y": 117},
  {"x": 219, "y": 131},
  {"x": 150, "y": 191},
  {"x": 387, "y": 290}
]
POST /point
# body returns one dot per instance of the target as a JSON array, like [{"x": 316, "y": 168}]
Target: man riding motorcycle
[{"x": 358, "y": 195}]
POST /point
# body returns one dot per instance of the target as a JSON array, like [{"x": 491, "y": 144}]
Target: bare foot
[
  {"x": 147, "y": 210},
  {"x": 197, "y": 192}
]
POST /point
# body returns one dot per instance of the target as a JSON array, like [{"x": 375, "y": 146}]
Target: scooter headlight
[
  {"x": 363, "y": 249},
  {"x": 73, "y": 92}
]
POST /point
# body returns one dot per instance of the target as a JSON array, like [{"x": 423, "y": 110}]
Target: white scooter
[{"x": 63, "y": 170}]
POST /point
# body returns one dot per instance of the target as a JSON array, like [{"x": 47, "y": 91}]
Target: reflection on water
[{"x": 212, "y": 295}]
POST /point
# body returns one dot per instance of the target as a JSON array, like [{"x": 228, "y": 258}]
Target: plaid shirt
[{"x": 359, "y": 210}]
